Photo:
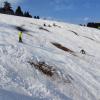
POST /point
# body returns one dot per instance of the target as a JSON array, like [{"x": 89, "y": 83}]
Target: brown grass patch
[
  {"x": 41, "y": 28},
  {"x": 62, "y": 47},
  {"x": 51, "y": 72},
  {"x": 43, "y": 67}
]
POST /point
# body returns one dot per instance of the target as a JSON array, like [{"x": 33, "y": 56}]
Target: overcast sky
[{"x": 73, "y": 11}]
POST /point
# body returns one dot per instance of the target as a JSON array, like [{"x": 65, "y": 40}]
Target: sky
[{"x": 72, "y": 11}]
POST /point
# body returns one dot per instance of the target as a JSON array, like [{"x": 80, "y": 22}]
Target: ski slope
[{"x": 74, "y": 76}]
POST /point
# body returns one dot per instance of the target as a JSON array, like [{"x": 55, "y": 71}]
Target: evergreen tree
[
  {"x": 1, "y": 10},
  {"x": 38, "y": 17},
  {"x": 26, "y": 14},
  {"x": 35, "y": 17},
  {"x": 7, "y": 5},
  {"x": 7, "y": 9},
  {"x": 18, "y": 11}
]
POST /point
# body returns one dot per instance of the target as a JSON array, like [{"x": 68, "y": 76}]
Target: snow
[{"x": 76, "y": 76}]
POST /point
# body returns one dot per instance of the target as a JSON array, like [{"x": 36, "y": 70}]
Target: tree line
[
  {"x": 7, "y": 9},
  {"x": 93, "y": 25}
]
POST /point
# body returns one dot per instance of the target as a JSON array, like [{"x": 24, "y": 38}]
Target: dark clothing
[
  {"x": 20, "y": 39},
  {"x": 83, "y": 51}
]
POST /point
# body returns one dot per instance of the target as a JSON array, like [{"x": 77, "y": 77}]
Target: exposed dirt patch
[
  {"x": 43, "y": 67},
  {"x": 62, "y": 47},
  {"x": 19, "y": 28},
  {"x": 42, "y": 28},
  {"x": 51, "y": 72}
]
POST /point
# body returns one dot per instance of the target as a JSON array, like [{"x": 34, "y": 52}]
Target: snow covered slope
[{"x": 48, "y": 65}]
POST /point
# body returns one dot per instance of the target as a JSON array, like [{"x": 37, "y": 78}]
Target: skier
[{"x": 20, "y": 36}]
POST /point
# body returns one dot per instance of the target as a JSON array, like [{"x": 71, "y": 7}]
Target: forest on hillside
[{"x": 7, "y": 9}]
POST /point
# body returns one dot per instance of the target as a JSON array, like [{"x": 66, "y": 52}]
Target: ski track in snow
[{"x": 21, "y": 81}]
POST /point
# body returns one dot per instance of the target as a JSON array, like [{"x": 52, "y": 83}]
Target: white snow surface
[{"x": 77, "y": 75}]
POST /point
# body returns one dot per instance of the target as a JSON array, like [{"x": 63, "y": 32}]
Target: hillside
[{"x": 48, "y": 65}]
